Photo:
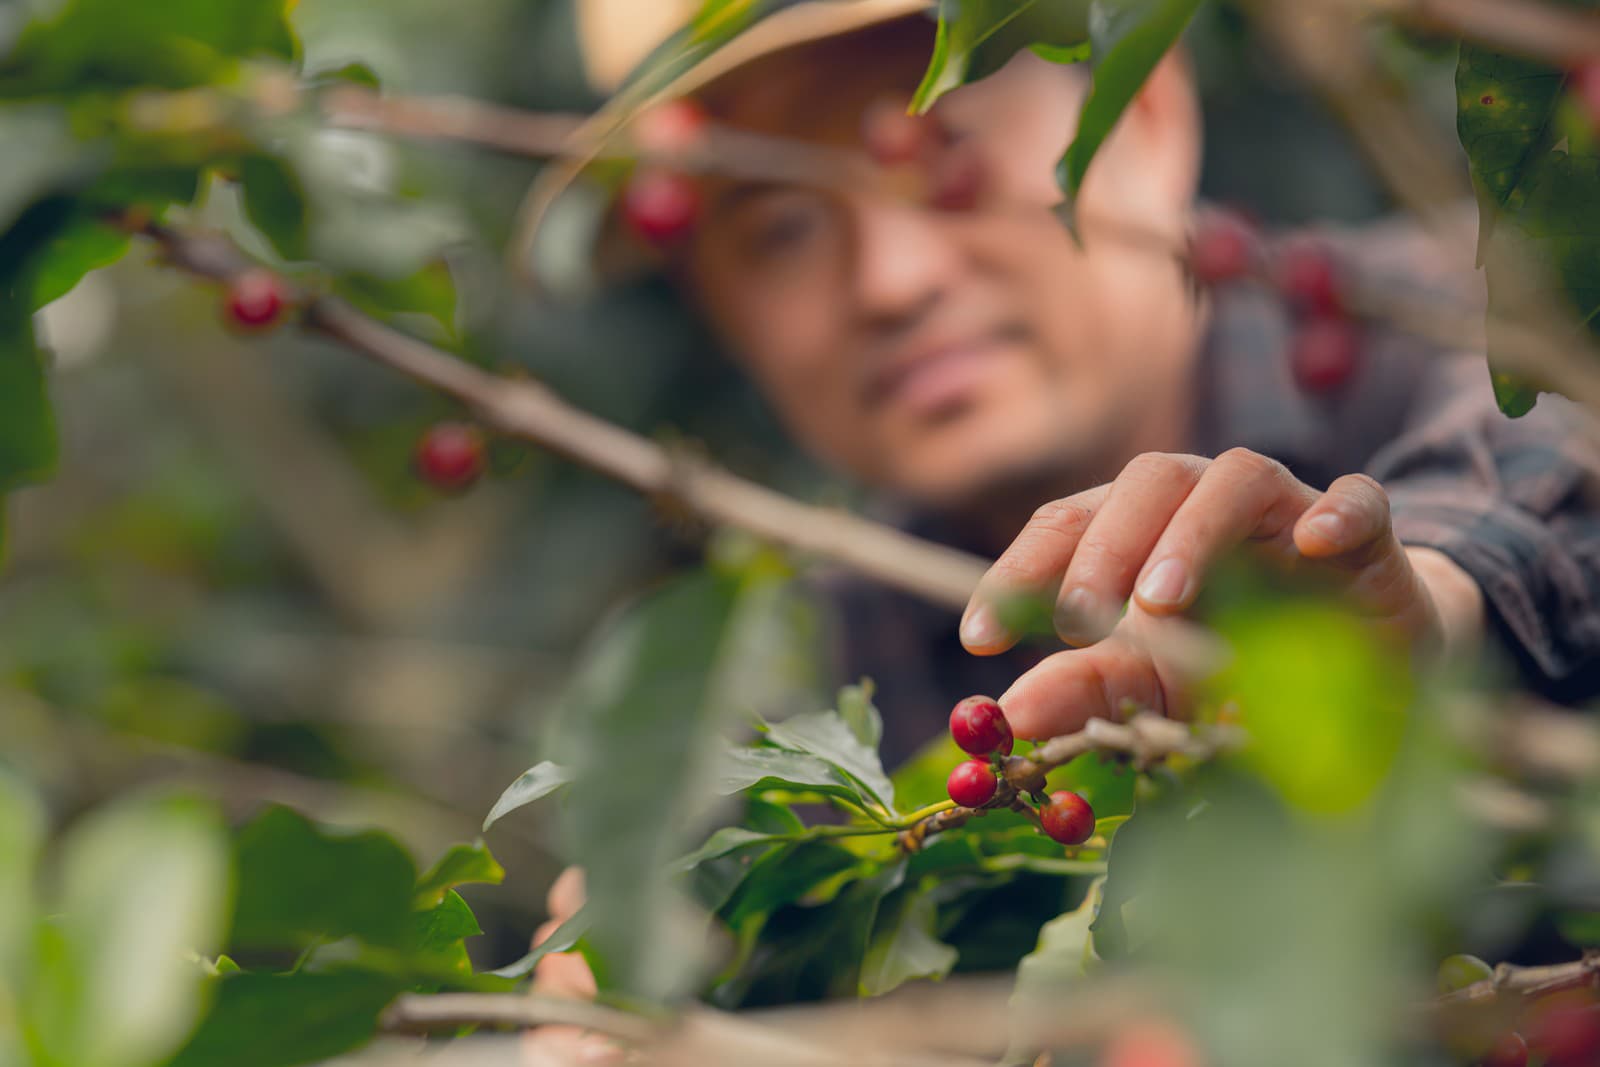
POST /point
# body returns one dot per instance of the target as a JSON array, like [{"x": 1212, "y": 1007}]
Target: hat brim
[{"x": 799, "y": 24}]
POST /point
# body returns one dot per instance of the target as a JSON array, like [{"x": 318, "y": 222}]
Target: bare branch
[
  {"x": 1527, "y": 982},
  {"x": 533, "y": 413},
  {"x": 1560, "y": 36}
]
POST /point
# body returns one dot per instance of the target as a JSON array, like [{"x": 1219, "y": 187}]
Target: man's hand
[
  {"x": 1150, "y": 538},
  {"x": 565, "y": 974}
]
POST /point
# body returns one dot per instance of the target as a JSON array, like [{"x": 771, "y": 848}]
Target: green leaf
[
  {"x": 715, "y": 879},
  {"x": 785, "y": 876},
  {"x": 299, "y": 885},
  {"x": 1129, "y": 37},
  {"x": 1045, "y": 974},
  {"x": 275, "y": 203},
  {"x": 826, "y": 735},
  {"x": 1504, "y": 117},
  {"x": 423, "y": 303},
  {"x": 904, "y": 947},
  {"x": 540, "y": 780},
  {"x": 963, "y": 26},
  {"x": 740, "y": 768},
  {"x": 861, "y": 715},
  {"x": 278, "y": 1020},
  {"x": 144, "y": 885},
  {"x": 441, "y": 929},
  {"x": 462, "y": 865},
  {"x": 1324, "y": 703},
  {"x": 726, "y": 840},
  {"x": 22, "y": 827},
  {"x": 639, "y": 729},
  {"x": 1064, "y": 949},
  {"x": 1536, "y": 184},
  {"x": 173, "y": 44},
  {"x": 360, "y": 219},
  {"x": 562, "y": 939},
  {"x": 61, "y": 262},
  {"x": 354, "y": 73},
  {"x": 42, "y": 156},
  {"x": 977, "y": 37},
  {"x": 806, "y": 952},
  {"x": 1581, "y": 928},
  {"x": 27, "y": 423}
]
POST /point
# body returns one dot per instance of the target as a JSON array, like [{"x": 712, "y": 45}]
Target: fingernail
[
  {"x": 982, "y": 628},
  {"x": 1080, "y": 617},
  {"x": 1330, "y": 526},
  {"x": 1165, "y": 584}
]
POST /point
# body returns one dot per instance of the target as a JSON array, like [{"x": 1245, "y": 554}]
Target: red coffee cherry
[
  {"x": 956, "y": 178},
  {"x": 1068, "y": 818},
  {"x": 451, "y": 456},
  {"x": 1510, "y": 1050},
  {"x": 894, "y": 138},
  {"x": 1309, "y": 278},
  {"x": 1223, "y": 249},
  {"x": 256, "y": 300},
  {"x": 1584, "y": 86},
  {"x": 674, "y": 127},
  {"x": 660, "y": 205},
  {"x": 972, "y": 783},
  {"x": 1151, "y": 1044},
  {"x": 1565, "y": 1030},
  {"x": 1325, "y": 353},
  {"x": 979, "y": 727}
]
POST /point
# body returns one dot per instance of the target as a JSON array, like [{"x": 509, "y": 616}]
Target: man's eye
[
  {"x": 788, "y": 228},
  {"x": 778, "y": 228}
]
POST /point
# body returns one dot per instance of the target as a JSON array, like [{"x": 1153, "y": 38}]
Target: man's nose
[{"x": 905, "y": 258}]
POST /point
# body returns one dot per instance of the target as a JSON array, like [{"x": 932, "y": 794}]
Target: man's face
[{"x": 943, "y": 354}]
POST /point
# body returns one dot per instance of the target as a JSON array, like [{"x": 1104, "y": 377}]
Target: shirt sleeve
[{"x": 1516, "y": 504}]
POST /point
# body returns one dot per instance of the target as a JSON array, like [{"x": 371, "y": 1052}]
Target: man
[{"x": 972, "y": 365}]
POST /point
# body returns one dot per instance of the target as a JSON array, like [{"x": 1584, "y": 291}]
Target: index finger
[{"x": 1030, "y": 569}]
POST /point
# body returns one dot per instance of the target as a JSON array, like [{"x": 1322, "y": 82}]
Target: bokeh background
[{"x": 235, "y": 580}]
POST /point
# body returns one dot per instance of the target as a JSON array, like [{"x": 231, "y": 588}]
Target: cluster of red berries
[
  {"x": 451, "y": 456},
  {"x": 951, "y": 171},
  {"x": 979, "y": 727},
  {"x": 1327, "y": 341},
  {"x": 1562, "y": 1030},
  {"x": 661, "y": 204}
]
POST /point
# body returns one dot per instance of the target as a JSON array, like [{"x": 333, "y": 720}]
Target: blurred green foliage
[{"x": 235, "y": 583}]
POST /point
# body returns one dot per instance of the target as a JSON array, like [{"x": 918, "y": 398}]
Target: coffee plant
[{"x": 1318, "y": 869}]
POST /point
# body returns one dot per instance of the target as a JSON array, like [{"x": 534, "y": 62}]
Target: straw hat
[{"x": 641, "y": 52}]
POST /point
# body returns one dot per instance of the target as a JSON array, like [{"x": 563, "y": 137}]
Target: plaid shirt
[{"x": 1516, "y": 503}]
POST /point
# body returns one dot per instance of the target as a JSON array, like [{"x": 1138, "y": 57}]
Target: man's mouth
[{"x": 937, "y": 379}]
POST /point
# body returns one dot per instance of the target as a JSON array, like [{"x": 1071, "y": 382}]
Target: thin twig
[
  {"x": 544, "y": 135},
  {"x": 530, "y": 412},
  {"x": 423, "y": 1013}
]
